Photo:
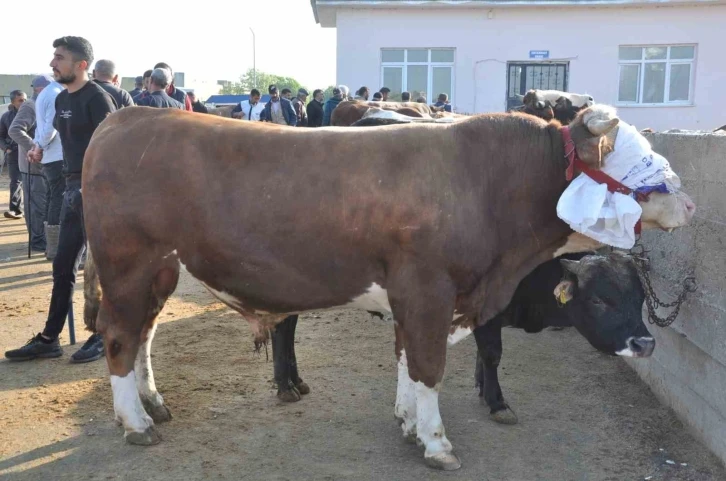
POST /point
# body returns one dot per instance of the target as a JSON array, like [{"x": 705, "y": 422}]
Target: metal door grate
[{"x": 522, "y": 77}]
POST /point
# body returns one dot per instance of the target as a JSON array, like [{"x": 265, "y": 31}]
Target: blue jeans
[{"x": 65, "y": 264}]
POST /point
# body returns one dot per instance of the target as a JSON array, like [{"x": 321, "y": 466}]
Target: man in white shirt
[
  {"x": 249, "y": 109},
  {"x": 49, "y": 152}
]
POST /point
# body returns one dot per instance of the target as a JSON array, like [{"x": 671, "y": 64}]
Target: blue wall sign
[{"x": 539, "y": 54}]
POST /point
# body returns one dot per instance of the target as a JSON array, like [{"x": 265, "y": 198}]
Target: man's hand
[
  {"x": 237, "y": 115},
  {"x": 35, "y": 155}
]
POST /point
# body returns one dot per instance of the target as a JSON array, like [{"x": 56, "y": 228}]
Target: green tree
[
  {"x": 328, "y": 92},
  {"x": 263, "y": 81}
]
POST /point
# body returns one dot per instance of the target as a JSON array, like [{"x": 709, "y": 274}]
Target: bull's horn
[{"x": 601, "y": 127}]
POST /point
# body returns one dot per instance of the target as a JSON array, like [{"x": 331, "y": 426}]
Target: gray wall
[{"x": 688, "y": 368}]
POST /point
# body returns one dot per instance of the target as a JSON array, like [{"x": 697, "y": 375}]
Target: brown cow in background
[{"x": 350, "y": 111}]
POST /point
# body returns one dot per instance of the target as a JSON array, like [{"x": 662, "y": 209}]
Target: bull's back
[{"x": 183, "y": 174}]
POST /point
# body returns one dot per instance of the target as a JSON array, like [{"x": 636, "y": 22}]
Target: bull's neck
[{"x": 574, "y": 242}]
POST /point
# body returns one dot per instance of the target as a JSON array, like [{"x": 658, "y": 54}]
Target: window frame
[
  {"x": 642, "y": 62},
  {"x": 429, "y": 74}
]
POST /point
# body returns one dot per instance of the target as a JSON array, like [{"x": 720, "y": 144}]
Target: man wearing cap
[
  {"x": 299, "y": 105},
  {"x": 330, "y": 105},
  {"x": 278, "y": 110},
  {"x": 22, "y": 130},
  {"x": 10, "y": 149},
  {"x": 138, "y": 86},
  {"x": 48, "y": 151}
]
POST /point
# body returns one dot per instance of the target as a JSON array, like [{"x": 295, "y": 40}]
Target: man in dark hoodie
[
  {"x": 330, "y": 105},
  {"x": 315, "y": 109}
]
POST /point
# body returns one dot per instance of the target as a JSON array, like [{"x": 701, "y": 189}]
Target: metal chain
[{"x": 652, "y": 301}]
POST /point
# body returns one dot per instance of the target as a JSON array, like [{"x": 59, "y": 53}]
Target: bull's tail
[{"x": 91, "y": 293}]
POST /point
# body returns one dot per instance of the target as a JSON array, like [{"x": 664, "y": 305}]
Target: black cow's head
[{"x": 604, "y": 297}]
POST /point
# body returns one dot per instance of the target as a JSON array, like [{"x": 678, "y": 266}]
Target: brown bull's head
[{"x": 594, "y": 132}]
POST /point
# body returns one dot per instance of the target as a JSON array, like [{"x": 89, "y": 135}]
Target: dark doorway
[{"x": 522, "y": 77}]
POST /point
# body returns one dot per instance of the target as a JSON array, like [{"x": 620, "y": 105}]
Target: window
[
  {"x": 656, "y": 75},
  {"x": 423, "y": 72}
]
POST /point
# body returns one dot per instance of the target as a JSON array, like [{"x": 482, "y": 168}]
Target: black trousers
[
  {"x": 65, "y": 264},
  {"x": 16, "y": 193},
  {"x": 56, "y": 185}
]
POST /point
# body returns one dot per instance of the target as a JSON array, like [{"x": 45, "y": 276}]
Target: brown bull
[
  {"x": 427, "y": 222},
  {"x": 350, "y": 111}
]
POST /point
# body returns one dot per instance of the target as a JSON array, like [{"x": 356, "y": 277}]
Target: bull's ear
[
  {"x": 573, "y": 267},
  {"x": 565, "y": 291}
]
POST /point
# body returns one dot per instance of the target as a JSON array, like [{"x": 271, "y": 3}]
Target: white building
[{"x": 661, "y": 62}]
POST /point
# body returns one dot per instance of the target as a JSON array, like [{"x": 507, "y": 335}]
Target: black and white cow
[{"x": 601, "y": 296}]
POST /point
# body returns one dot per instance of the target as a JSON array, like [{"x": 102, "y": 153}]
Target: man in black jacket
[
  {"x": 104, "y": 74},
  {"x": 138, "y": 87},
  {"x": 10, "y": 148},
  {"x": 79, "y": 110},
  {"x": 160, "y": 79},
  {"x": 197, "y": 105},
  {"x": 315, "y": 109}
]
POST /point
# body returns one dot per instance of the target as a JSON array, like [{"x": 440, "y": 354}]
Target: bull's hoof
[
  {"x": 147, "y": 438},
  {"x": 302, "y": 387},
  {"x": 411, "y": 437},
  {"x": 444, "y": 461},
  {"x": 289, "y": 396},
  {"x": 160, "y": 414},
  {"x": 504, "y": 416}
]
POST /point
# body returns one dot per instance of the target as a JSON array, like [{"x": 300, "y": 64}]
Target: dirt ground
[{"x": 583, "y": 416}]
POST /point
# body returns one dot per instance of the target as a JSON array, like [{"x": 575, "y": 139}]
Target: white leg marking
[
  {"x": 405, "y": 409},
  {"x": 458, "y": 335},
  {"x": 127, "y": 404},
  {"x": 430, "y": 427},
  {"x": 145, "y": 380}
]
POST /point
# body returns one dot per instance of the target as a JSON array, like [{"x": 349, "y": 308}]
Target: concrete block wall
[{"x": 688, "y": 368}]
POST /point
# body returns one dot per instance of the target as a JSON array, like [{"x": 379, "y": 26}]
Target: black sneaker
[
  {"x": 13, "y": 215},
  {"x": 36, "y": 347},
  {"x": 92, "y": 350}
]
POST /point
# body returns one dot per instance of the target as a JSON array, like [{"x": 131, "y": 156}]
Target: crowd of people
[
  {"x": 283, "y": 109},
  {"x": 45, "y": 137}
]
